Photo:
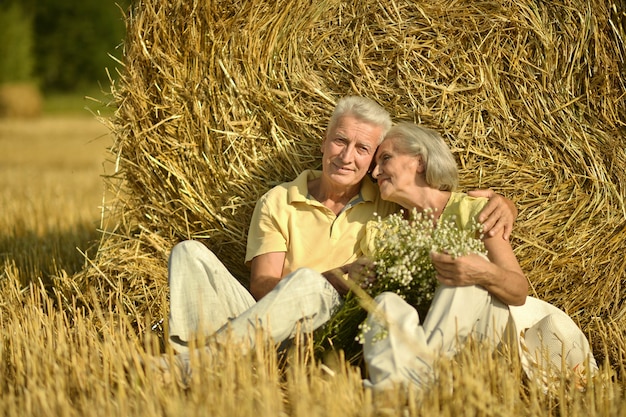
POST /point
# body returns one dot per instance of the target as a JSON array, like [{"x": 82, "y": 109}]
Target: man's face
[{"x": 348, "y": 150}]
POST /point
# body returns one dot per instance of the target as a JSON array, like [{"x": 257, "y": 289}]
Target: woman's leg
[
  {"x": 394, "y": 346},
  {"x": 399, "y": 349},
  {"x": 458, "y": 312}
]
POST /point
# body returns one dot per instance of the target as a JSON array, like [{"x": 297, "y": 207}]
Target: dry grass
[{"x": 220, "y": 100}]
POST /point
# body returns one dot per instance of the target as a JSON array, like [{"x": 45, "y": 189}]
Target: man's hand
[
  {"x": 336, "y": 277},
  {"x": 362, "y": 272},
  {"x": 499, "y": 214}
]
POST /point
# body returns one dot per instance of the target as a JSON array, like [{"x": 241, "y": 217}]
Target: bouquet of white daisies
[{"x": 401, "y": 247}]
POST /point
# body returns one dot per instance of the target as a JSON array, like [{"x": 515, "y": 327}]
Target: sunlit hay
[
  {"x": 219, "y": 101},
  {"x": 494, "y": 383},
  {"x": 55, "y": 363},
  {"x": 475, "y": 378},
  {"x": 606, "y": 334},
  {"x": 227, "y": 379}
]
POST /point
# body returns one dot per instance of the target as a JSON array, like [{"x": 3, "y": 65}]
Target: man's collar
[
  {"x": 369, "y": 190},
  {"x": 298, "y": 190}
]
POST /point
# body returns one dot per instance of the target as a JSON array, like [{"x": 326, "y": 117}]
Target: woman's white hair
[{"x": 440, "y": 168}]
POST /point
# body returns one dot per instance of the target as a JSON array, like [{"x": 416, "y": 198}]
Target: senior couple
[{"x": 305, "y": 234}]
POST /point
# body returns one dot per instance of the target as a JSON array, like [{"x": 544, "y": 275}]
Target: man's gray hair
[{"x": 363, "y": 109}]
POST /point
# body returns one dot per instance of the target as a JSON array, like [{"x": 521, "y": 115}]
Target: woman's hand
[
  {"x": 499, "y": 273},
  {"x": 462, "y": 271}
]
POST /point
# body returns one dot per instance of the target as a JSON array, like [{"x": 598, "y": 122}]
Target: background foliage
[
  {"x": 62, "y": 45},
  {"x": 16, "y": 32}
]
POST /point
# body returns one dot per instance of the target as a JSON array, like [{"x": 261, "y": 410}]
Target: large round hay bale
[
  {"x": 220, "y": 100},
  {"x": 20, "y": 100}
]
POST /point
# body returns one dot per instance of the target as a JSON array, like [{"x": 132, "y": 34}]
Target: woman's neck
[{"x": 426, "y": 198}]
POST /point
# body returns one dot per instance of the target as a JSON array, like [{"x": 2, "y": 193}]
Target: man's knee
[
  {"x": 308, "y": 286},
  {"x": 190, "y": 249},
  {"x": 307, "y": 278}
]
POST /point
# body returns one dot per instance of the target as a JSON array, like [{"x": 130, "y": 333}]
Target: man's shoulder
[{"x": 295, "y": 189}]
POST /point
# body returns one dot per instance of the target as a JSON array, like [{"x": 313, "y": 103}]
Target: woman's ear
[{"x": 421, "y": 166}]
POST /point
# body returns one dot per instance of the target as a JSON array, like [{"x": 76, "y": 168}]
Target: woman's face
[{"x": 395, "y": 172}]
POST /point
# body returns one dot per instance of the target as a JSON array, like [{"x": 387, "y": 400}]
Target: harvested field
[{"x": 219, "y": 101}]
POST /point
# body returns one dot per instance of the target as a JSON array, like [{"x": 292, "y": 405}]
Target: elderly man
[{"x": 299, "y": 229}]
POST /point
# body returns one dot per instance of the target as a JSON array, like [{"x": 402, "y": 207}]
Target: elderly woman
[{"x": 476, "y": 295}]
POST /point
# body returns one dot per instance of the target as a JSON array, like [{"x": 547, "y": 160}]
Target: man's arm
[
  {"x": 360, "y": 273},
  {"x": 498, "y": 216},
  {"x": 265, "y": 272}
]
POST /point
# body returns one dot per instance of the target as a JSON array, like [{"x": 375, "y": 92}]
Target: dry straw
[{"x": 220, "y": 100}]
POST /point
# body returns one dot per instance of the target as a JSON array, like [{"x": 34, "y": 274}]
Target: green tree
[
  {"x": 16, "y": 44},
  {"x": 73, "y": 40}
]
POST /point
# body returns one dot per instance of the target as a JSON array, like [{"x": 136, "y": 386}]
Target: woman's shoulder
[
  {"x": 464, "y": 207},
  {"x": 463, "y": 202}
]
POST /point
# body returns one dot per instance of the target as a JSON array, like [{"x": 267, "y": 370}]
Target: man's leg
[
  {"x": 303, "y": 298},
  {"x": 203, "y": 294}
]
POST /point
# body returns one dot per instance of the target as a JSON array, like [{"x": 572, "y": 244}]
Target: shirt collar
[
  {"x": 369, "y": 190},
  {"x": 298, "y": 190}
]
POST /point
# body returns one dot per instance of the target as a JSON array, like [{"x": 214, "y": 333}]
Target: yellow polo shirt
[{"x": 287, "y": 219}]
